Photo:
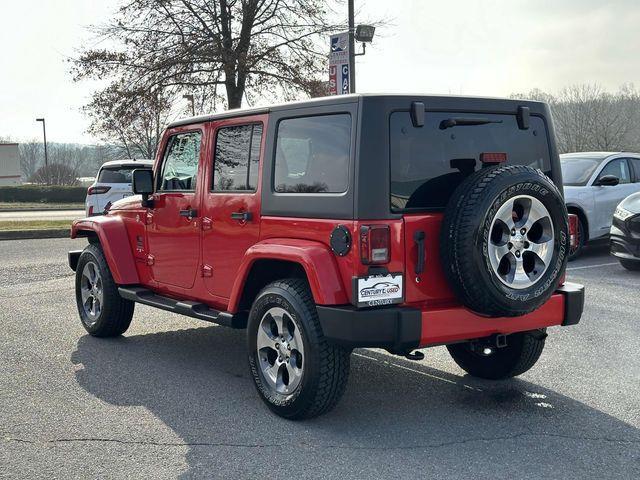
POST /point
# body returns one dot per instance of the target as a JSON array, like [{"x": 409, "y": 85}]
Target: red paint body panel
[
  {"x": 112, "y": 232},
  {"x": 432, "y": 287},
  {"x": 316, "y": 259},
  {"x": 443, "y": 325}
]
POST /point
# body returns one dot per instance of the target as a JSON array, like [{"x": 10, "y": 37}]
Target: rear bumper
[{"x": 401, "y": 329}]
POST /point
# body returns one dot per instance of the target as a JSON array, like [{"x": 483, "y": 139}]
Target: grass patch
[
  {"x": 40, "y": 206},
  {"x": 33, "y": 224}
]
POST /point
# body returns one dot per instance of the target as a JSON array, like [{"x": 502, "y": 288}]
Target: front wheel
[
  {"x": 298, "y": 374},
  {"x": 520, "y": 354},
  {"x": 576, "y": 250},
  {"x": 102, "y": 311}
]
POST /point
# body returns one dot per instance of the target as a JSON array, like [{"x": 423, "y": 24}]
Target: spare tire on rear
[{"x": 504, "y": 241}]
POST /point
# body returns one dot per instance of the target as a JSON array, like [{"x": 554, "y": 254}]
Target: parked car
[
  {"x": 112, "y": 183},
  {"x": 594, "y": 184},
  {"x": 395, "y": 222},
  {"x": 625, "y": 232}
]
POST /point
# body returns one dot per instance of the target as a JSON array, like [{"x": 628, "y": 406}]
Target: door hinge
[
  {"x": 207, "y": 223},
  {"x": 207, "y": 271},
  {"x": 150, "y": 259}
]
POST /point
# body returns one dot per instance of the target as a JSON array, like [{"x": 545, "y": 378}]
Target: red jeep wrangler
[{"x": 396, "y": 222}]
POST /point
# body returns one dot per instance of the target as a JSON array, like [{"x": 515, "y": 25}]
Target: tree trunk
[{"x": 234, "y": 95}]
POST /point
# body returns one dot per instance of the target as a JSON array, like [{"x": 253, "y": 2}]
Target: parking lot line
[{"x": 593, "y": 266}]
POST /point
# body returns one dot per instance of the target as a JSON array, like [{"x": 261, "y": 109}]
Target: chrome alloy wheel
[
  {"x": 521, "y": 241},
  {"x": 280, "y": 351},
  {"x": 91, "y": 292}
]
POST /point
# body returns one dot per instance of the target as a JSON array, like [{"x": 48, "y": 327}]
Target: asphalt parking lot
[{"x": 173, "y": 397}]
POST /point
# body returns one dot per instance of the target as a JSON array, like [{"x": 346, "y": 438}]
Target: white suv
[{"x": 113, "y": 182}]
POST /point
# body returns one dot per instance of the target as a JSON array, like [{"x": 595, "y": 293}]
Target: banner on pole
[{"x": 339, "y": 64}]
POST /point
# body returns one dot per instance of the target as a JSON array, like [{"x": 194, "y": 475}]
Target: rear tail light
[
  {"x": 90, "y": 210},
  {"x": 573, "y": 230},
  {"x": 97, "y": 190},
  {"x": 375, "y": 244}
]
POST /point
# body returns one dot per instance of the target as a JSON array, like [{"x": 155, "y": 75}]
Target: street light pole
[
  {"x": 46, "y": 156},
  {"x": 352, "y": 50}
]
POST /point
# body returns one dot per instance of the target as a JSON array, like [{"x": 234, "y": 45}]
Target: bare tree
[
  {"x": 243, "y": 47},
  {"x": 587, "y": 117},
  {"x": 133, "y": 120},
  {"x": 31, "y": 156}
]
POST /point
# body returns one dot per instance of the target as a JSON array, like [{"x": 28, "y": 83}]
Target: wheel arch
[
  {"x": 578, "y": 210},
  {"x": 275, "y": 259},
  {"x": 110, "y": 233}
]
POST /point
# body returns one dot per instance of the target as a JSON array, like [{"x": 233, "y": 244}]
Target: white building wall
[{"x": 9, "y": 164}]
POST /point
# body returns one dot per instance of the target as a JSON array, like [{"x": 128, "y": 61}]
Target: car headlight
[{"x": 622, "y": 214}]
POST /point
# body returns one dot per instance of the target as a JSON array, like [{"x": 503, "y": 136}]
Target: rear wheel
[
  {"x": 521, "y": 353},
  {"x": 633, "y": 265},
  {"x": 102, "y": 311},
  {"x": 298, "y": 374}
]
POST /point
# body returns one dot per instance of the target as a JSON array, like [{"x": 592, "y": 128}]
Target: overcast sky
[{"x": 474, "y": 47}]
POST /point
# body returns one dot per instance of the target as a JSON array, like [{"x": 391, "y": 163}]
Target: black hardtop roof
[{"x": 434, "y": 101}]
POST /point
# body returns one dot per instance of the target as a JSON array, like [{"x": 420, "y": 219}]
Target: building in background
[{"x": 9, "y": 164}]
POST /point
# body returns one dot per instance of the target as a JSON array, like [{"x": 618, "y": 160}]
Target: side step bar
[{"x": 183, "y": 307}]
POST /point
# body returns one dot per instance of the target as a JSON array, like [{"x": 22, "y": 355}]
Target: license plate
[{"x": 377, "y": 290}]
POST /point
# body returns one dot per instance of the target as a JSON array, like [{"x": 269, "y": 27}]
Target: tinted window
[
  {"x": 237, "y": 158},
  {"x": 577, "y": 171},
  {"x": 180, "y": 166},
  {"x": 429, "y": 162},
  {"x": 117, "y": 174},
  {"x": 618, "y": 168},
  {"x": 312, "y": 154},
  {"x": 636, "y": 167}
]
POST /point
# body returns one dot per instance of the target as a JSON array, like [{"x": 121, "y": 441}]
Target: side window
[
  {"x": 237, "y": 158},
  {"x": 618, "y": 167},
  {"x": 636, "y": 167},
  {"x": 180, "y": 165},
  {"x": 312, "y": 154}
]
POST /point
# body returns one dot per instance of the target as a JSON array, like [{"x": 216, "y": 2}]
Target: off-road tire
[
  {"x": 574, "y": 253},
  {"x": 521, "y": 353},
  {"x": 116, "y": 312},
  {"x": 465, "y": 234},
  {"x": 325, "y": 366},
  {"x": 633, "y": 265}
]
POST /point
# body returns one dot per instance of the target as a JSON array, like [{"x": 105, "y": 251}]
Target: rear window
[
  {"x": 118, "y": 174},
  {"x": 312, "y": 154},
  {"x": 429, "y": 162}
]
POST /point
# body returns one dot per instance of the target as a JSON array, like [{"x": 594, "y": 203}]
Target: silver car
[{"x": 594, "y": 184}]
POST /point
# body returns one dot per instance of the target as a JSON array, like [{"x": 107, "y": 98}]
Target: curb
[
  {"x": 64, "y": 209},
  {"x": 32, "y": 234}
]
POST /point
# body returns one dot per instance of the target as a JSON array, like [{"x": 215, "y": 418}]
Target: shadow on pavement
[{"x": 395, "y": 418}]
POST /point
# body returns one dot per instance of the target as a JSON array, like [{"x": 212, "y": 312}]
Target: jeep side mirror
[
  {"x": 142, "y": 184},
  {"x": 607, "y": 181}
]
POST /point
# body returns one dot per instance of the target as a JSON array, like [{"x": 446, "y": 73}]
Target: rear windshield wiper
[{"x": 457, "y": 121}]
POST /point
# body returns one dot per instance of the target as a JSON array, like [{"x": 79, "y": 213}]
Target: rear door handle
[
  {"x": 418, "y": 237},
  {"x": 189, "y": 213},
  {"x": 242, "y": 216}
]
